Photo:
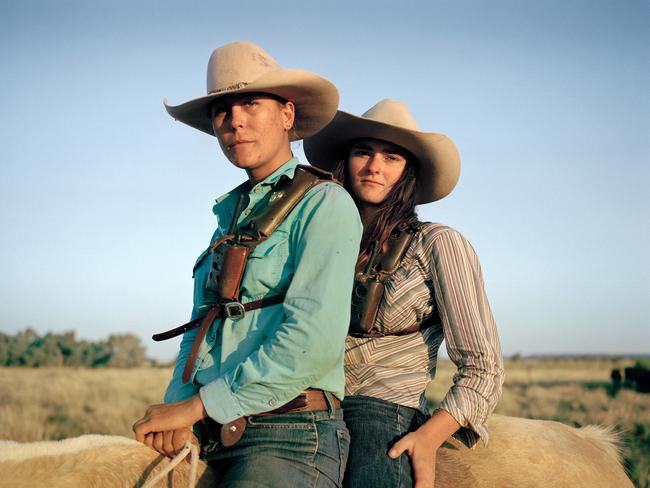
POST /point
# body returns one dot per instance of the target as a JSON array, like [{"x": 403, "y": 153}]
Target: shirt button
[
  {"x": 272, "y": 402},
  {"x": 247, "y": 211}
]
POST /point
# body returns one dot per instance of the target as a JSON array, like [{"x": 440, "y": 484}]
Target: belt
[
  {"x": 233, "y": 310},
  {"x": 309, "y": 400},
  {"x": 408, "y": 330}
]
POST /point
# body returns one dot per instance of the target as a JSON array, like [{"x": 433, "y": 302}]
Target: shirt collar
[{"x": 287, "y": 169}]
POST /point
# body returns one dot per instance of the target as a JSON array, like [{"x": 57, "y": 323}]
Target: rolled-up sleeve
[
  {"x": 470, "y": 335},
  {"x": 309, "y": 343},
  {"x": 177, "y": 390}
]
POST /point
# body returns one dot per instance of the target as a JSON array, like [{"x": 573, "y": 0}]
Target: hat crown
[
  {"x": 392, "y": 112},
  {"x": 237, "y": 64}
]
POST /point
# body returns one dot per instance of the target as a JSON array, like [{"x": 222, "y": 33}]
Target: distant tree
[
  {"x": 27, "y": 348},
  {"x": 5, "y": 344},
  {"x": 19, "y": 345},
  {"x": 126, "y": 351}
]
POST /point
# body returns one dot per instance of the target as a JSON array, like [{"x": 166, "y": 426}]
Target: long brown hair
[{"x": 397, "y": 211}]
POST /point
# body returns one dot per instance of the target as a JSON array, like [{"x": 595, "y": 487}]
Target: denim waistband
[
  {"x": 208, "y": 431},
  {"x": 376, "y": 406}
]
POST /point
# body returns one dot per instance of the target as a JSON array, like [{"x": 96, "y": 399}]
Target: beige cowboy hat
[
  {"x": 243, "y": 67},
  {"x": 438, "y": 161}
]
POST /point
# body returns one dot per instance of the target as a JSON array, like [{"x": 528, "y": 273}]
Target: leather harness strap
[
  {"x": 205, "y": 325},
  {"x": 230, "y": 310},
  {"x": 368, "y": 290},
  {"x": 217, "y": 311}
]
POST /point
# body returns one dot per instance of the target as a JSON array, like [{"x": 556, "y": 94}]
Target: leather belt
[
  {"x": 233, "y": 310},
  {"x": 308, "y": 401},
  {"x": 408, "y": 330}
]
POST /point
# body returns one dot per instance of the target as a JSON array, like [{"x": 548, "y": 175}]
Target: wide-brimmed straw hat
[
  {"x": 243, "y": 67},
  {"x": 438, "y": 161}
]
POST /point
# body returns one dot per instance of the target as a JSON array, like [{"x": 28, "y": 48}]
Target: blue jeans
[
  {"x": 375, "y": 425},
  {"x": 307, "y": 449}
]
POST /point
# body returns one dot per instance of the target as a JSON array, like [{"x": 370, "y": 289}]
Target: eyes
[
  {"x": 361, "y": 152},
  {"x": 222, "y": 110}
]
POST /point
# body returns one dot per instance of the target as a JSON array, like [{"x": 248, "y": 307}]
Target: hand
[
  {"x": 169, "y": 417},
  {"x": 423, "y": 457},
  {"x": 170, "y": 442}
]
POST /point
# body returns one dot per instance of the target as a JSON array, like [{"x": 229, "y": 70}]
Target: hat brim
[
  {"x": 438, "y": 160},
  {"x": 316, "y": 100}
]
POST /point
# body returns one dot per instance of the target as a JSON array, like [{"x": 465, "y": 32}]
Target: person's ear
[{"x": 289, "y": 115}]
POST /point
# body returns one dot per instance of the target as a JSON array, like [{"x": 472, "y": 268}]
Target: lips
[
  {"x": 237, "y": 143},
  {"x": 371, "y": 182}
]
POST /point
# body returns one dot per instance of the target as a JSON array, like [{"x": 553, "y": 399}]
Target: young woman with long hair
[{"x": 417, "y": 284}]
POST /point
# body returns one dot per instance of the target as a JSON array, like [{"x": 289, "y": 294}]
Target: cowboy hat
[
  {"x": 243, "y": 67},
  {"x": 438, "y": 161}
]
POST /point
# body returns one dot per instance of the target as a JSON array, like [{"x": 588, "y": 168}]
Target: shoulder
[
  {"x": 330, "y": 194},
  {"x": 430, "y": 232},
  {"x": 435, "y": 238},
  {"x": 326, "y": 209}
]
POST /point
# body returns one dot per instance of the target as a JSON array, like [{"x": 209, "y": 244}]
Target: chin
[
  {"x": 243, "y": 163},
  {"x": 370, "y": 199}
]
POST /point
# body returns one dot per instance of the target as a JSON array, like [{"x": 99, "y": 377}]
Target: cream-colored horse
[
  {"x": 522, "y": 453},
  {"x": 534, "y": 453}
]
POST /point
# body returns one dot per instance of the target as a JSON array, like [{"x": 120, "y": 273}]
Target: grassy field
[{"x": 55, "y": 403}]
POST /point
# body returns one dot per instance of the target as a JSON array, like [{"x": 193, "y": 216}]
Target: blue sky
[{"x": 105, "y": 201}]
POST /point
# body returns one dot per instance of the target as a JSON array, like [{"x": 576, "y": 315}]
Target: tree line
[{"x": 28, "y": 348}]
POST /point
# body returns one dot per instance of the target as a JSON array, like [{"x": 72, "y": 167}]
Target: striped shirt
[{"x": 440, "y": 279}]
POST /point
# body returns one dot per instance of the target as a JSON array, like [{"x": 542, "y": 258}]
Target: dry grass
[
  {"x": 577, "y": 392},
  {"x": 55, "y": 403}
]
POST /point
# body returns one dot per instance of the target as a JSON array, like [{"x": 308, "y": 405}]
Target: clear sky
[{"x": 105, "y": 201}]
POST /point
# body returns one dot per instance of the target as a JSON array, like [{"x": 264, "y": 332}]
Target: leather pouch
[
  {"x": 228, "y": 266},
  {"x": 365, "y": 304}
]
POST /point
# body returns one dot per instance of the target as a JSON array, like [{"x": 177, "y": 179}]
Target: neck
[
  {"x": 368, "y": 212},
  {"x": 262, "y": 172}
]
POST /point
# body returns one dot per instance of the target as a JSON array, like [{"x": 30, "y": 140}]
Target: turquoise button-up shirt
[{"x": 268, "y": 357}]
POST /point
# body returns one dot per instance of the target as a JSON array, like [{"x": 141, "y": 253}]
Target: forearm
[
  {"x": 422, "y": 446},
  {"x": 470, "y": 334},
  {"x": 440, "y": 427},
  {"x": 170, "y": 416}
]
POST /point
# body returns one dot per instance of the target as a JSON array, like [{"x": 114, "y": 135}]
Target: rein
[{"x": 188, "y": 448}]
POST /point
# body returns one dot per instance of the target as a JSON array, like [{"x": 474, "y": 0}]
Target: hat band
[{"x": 236, "y": 86}]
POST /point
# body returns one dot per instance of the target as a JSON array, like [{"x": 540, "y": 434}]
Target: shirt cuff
[
  {"x": 472, "y": 426},
  {"x": 219, "y": 402}
]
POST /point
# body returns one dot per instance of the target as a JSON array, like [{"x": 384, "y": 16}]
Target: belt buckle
[{"x": 234, "y": 310}]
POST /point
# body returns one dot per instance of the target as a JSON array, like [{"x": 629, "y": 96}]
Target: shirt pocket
[{"x": 267, "y": 265}]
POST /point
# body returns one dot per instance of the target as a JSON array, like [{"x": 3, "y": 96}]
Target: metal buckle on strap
[{"x": 234, "y": 310}]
